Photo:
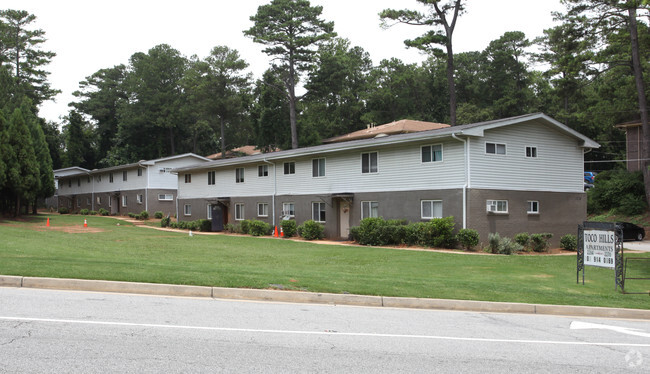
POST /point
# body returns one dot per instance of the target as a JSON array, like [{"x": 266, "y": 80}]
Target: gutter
[{"x": 467, "y": 175}]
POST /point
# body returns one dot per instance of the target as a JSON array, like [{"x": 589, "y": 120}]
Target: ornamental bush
[
  {"x": 84, "y": 212},
  {"x": 539, "y": 242},
  {"x": 103, "y": 212},
  {"x": 165, "y": 222},
  {"x": 569, "y": 242},
  {"x": 311, "y": 230},
  {"x": 523, "y": 239},
  {"x": 289, "y": 228},
  {"x": 144, "y": 215},
  {"x": 439, "y": 233},
  {"x": 258, "y": 228},
  {"x": 468, "y": 238},
  {"x": 63, "y": 210},
  {"x": 158, "y": 215}
]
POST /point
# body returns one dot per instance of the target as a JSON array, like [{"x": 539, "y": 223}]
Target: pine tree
[{"x": 23, "y": 171}]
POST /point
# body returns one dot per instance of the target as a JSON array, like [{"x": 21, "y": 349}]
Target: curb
[{"x": 317, "y": 298}]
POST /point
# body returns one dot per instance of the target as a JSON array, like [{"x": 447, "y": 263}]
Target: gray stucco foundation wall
[
  {"x": 560, "y": 213},
  {"x": 165, "y": 206},
  {"x": 392, "y": 205}
]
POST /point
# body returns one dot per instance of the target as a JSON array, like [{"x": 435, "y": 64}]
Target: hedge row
[{"x": 439, "y": 232}]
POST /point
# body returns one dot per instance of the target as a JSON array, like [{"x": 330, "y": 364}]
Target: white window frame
[
  {"x": 188, "y": 178},
  {"x": 110, "y": 177},
  {"x": 212, "y": 178},
  {"x": 239, "y": 175},
  {"x": 125, "y": 176},
  {"x": 124, "y": 201},
  {"x": 318, "y": 167},
  {"x": 288, "y": 209},
  {"x": 209, "y": 213},
  {"x": 432, "y": 153},
  {"x": 368, "y": 169},
  {"x": 140, "y": 198},
  {"x": 187, "y": 209},
  {"x": 166, "y": 197},
  {"x": 321, "y": 211},
  {"x": 496, "y": 206},
  {"x": 531, "y": 151},
  {"x": 496, "y": 149},
  {"x": 368, "y": 206},
  {"x": 139, "y": 172},
  {"x": 262, "y": 171},
  {"x": 289, "y": 167},
  {"x": 532, "y": 207},
  {"x": 99, "y": 200},
  {"x": 431, "y": 203},
  {"x": 239, "y": 212},
  {"x": 264, "y": 212}
]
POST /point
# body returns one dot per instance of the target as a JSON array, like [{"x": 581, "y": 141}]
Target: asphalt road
[{"x": 45, "y": 331}]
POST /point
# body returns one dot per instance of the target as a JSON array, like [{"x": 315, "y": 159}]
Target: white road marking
[
  {"x": 326, "y": 332},
  {"x": 577, "y": 325}
]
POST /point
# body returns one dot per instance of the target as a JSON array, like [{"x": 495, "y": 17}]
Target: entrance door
[
  {"x": 217, "y": 217},
  {"x": 344, "y": 219}
]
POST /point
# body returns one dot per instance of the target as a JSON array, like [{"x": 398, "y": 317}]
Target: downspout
[
  {"x": 92, "y": 195},
  {"x": 466, "y": 152},
  {"x": 275, "y": 189}
]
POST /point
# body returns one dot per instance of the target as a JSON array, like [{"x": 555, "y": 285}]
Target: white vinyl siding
[
  {"x": 430, "y": 209},
  {"x": 515, "y": 171}
]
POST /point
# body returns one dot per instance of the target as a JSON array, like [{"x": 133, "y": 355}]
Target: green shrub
[
  {"x": 620, "y": 190},
  {"x": 259, "y": 228},
  {"x": 229, "y": 227},
  {"x": 508, "y": 246},
  {"x": 63, "y": 210},
  {"x": 412, "y": 233},
  {"x": 369, "y": 231},
  {"x": 289, "y": 228},
  {"x": 494, "y": 241},
  {"x": 468, "y": 238},
  {"x": 132, "y": 215},
  {"x": 158, "y": 215},
  {"x": 205, "y": 225},
  {"x": 523, "y": 239},
  {"x": 144, "y": 215},
  {"x": 539, "y": 242},
  {"x": 311, "y": 230},
  {"x": 93, "y": 212},
  {"x": 103, "y": 212},
  {"x": 438, "y": 233},
  {"x": 165, "y": 222},
  {"x": 84, "y": 212},
  {"x": 244, "y": 226},
  {"x": 569, "y": 242}
]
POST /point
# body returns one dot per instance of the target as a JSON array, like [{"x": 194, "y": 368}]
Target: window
[
  {"x": 88, "y": 179},
  {"x": 187, "y": 209},
  {"x": 87, "y": 201},
  {"x": 124, "y": 173},
  {"x": 290, "y": 168},
  {"x": 70, "y": 183},
  {"x": 496, "y": 149},
  {"x": 262, "y": 209},
  {"x": 124, "y": 200},
  {"x": 369, "y": 209},
  {"x": 533, "y": 207},
  {"x": 78, "y": 182},
  {"x": 140, "y": 198},
  {"x": 369, "y": 162},
  {"x": 209, "y": 215},
  {"x": 188, "y": 178},
  {"x": 166, "y": 197},
  {"x": 99, "y": 200},
  {"x": 263, "y": 171},
  {"x": 239, "y": 175},
  {"x": 139, "y": 172},
  {"x": 110, "y": 178},
  {"x": 288, "y": 209},
  {"x": 78, "y": 202},
  {"x": 110, "y": 201},
  {"x": 318, "y": 212},
  {"x": 432, "y": 153},
  {"x": 497, "y": 206},
  {"x": 318, "y": 167},
  {"x": 99, "y": 178},
  {"x": 431, "y": 209},
  {"x": 531, "y": 151},
  {"x": 211, "y": 178},
  {"x": 239, "y": 212}
]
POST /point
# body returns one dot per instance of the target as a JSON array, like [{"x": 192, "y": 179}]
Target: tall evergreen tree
[
  {"x": 291, "y": 30},
  {"x": 23, "y": 171},
  {"x": 42, "y": 152}
]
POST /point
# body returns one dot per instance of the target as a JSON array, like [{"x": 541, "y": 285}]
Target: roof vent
[{"x": 382, "y": 135}]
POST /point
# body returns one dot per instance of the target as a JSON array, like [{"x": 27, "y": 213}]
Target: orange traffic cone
[
  {"x": 48, "y": 221},
  {"x": 276, "y": 232},
  {"x": 281, "y": 232},
  {"x": 85, "y": 223}
]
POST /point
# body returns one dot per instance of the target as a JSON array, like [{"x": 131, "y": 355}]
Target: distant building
[{"x": 633, "y": 145}]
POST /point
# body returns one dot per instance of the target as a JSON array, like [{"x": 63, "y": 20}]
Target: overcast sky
[{"x": 89, "y": 35}]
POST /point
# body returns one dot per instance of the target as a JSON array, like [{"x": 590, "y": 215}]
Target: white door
[{"x": 344, "y": 219}]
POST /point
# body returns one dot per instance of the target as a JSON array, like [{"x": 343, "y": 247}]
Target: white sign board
[{"x": 600, "y": 248}]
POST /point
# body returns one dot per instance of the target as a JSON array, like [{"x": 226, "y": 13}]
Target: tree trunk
[
  {"x": 452, "y": 85},
  {"x": 291, "y": 88},
  {"x": 643, "y": 106},
  {"x": 223, "y": 138},
  {"x": 171, "y": 141}
]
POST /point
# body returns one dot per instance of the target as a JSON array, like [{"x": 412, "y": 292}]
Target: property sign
[{"x": 600, "y": 248}]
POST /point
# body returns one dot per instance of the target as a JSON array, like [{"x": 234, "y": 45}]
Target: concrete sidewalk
[
  {"x": 317, "y": 298},
  {"x": 637, "y": 246}
]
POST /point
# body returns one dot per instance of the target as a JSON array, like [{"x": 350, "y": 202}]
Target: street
[{"x": 45, "y": 331}]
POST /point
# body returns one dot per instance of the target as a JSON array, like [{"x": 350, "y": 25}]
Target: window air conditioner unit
[{"x": 491, "y": 208}]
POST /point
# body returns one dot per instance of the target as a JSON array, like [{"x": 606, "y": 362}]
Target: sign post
[{"x": 600, "y": 244}]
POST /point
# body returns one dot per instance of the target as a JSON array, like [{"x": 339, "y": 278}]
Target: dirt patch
[{"x": 70, "y": 229}]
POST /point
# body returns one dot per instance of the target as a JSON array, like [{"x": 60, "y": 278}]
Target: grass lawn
[{"x": 106, "y": 250}]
